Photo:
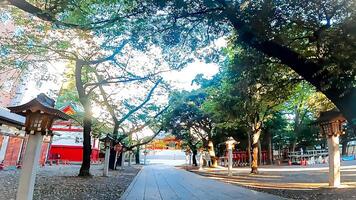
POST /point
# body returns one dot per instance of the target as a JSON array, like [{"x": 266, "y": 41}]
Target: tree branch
[
  {"x": 145, "y": 142},
  {"x": 46, "y": 15},
  {"x": 149, "y": 95},
  {"x": 137, "y": 129}
]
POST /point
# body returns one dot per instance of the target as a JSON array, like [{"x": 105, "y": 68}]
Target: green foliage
[
  {"x": 277, "y": 125},
  {"x": 186, "y": 120},
  {"x": 253, "y": 85}
]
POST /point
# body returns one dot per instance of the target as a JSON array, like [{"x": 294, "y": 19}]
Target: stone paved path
[{"x": 160, "y": 182}]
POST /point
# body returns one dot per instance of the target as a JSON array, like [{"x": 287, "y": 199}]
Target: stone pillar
[
  {"x": 334, "y": 160},
  {"x": 3, "y": 148},
  {"x": 29, "y": 167},
  {"x": 230, "y": 161},
  {"x": 123, "y": 160},
  {"x": 106, "y": 161}
]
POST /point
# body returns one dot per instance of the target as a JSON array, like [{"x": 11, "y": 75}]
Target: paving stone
[{"x": 163, "y": 182}]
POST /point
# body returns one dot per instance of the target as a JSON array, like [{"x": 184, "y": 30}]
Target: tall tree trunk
[
  {"x": 259, "y": 153},
  {"x": 255, "y": 139},
  {"x": 112, "y": 158},
  {"x": 269, "y": 151},
  {"x": 85, "y": 168},
  {"x": 344, "y": 148},
  {"x": 249, "y": 149},
  {"x": 296, "y": 127},
  {"x": 294, "y": 144},
  {"x": 87, "y": 121},
  {"x": 137, "y": 155},
  {"x": 195, "y": 152},
  {"x": 211, "y": 150},
  {"x": 344, "y": 142},
  {"x": 344, "y": 102}
]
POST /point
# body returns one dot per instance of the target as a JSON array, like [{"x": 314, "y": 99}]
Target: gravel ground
[
  {"x": 318, "y": 194},
  {"x": 62, "y": 183},
  {"x": 303, "y": 185}
]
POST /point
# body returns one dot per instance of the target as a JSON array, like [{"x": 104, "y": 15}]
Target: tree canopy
[{"x": 283, "y": 63}]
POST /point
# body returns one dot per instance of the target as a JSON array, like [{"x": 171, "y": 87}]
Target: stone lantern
[
  {"x": 229, "y": 146},
  {"x": 107, "y": 143},
  {"x": 331, "y": 123},
  {"x": 40, "y": 114}
]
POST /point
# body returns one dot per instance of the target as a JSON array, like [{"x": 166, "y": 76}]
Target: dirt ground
[{"x": 293, "y": 182}]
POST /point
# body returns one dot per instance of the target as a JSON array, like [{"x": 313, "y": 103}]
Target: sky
[{"x": 182, "y": 79}]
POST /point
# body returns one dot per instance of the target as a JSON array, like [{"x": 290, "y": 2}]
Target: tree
[
  {"x": 87, "y": 59},
  {"x": 44, "y": 47},
  {"x": 274, "y": 127},
  {"x": 304, "y": 105},
  {"x": 188, "y": 122},
  {"x": 301, "y": 35},
  {"x": 191, "y": 140},
  {"x": 251, "y": 90},
  {"x": 130, "y": 119}
]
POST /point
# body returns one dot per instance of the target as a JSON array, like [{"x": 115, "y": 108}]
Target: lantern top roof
[
  {"x": 107, "y": 137},
  {"x": 42, "y": 103},
  {"x": 331, "y": 115},
  {"x": 231, "y": 140},
  {"x": 12, "y": 119}
]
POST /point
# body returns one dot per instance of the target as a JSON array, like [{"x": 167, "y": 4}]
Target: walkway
[{"x": 160, "y": 182}]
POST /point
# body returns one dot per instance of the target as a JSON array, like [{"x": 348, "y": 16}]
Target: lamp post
[
  {"x": 330, "y": 123},
  {"x": 229, "y": 145},
  {"x": 107, "y": 142},
  {"x": 40, "y": 114}
]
